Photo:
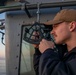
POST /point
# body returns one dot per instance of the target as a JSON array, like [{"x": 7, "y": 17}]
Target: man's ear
[{"x": 72, "y": 26}]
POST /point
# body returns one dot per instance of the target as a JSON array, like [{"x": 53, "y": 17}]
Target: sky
[{"x": 2, "y": 47}]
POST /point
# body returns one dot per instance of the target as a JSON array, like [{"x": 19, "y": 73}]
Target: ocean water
[{"x": 2, "y": 67}]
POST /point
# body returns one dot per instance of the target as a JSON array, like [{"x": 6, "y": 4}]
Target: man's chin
[{"x": 57, "y": 42}]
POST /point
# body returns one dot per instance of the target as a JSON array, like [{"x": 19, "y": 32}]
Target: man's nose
[{"x": 52, "y": 32}]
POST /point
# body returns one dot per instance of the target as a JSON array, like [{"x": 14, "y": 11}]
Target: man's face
[{"x": 61, "y": 33}]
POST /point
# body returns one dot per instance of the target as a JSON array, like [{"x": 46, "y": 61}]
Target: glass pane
[
  {"x": 2, "y": 46},
  {"x": 2, "y": 55},
  {"x": 27, "y": 51}
]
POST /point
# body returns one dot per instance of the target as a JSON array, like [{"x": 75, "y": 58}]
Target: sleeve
[
  {"x": 36, "y": 59},
  {"x": 50, "y": 64}
]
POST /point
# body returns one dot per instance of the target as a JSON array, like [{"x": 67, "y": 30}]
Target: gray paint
[{"x": 42, "y": 1}]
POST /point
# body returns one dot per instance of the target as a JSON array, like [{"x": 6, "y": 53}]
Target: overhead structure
[{"x": 34, "y": 6}]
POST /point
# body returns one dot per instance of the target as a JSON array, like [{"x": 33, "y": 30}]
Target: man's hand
[
  {"x": 35, "y": 37},
  {"x": 44, "y": 45}
]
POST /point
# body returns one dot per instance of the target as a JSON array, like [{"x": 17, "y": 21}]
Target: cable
[{"x": 2, "y": 37}]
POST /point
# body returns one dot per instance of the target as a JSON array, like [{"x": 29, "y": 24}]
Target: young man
[{"x": 48, "y": 62}]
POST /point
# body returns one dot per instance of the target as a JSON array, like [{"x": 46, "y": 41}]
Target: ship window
[{"x": 27, "y": 51}]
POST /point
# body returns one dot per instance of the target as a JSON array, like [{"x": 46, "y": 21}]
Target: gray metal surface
[
  {"x": 41, "y": 1},
  {"x": 13, "y": 33},
  {"x": 46, "y": 1},
  {"x": 17, "y": 2}
]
